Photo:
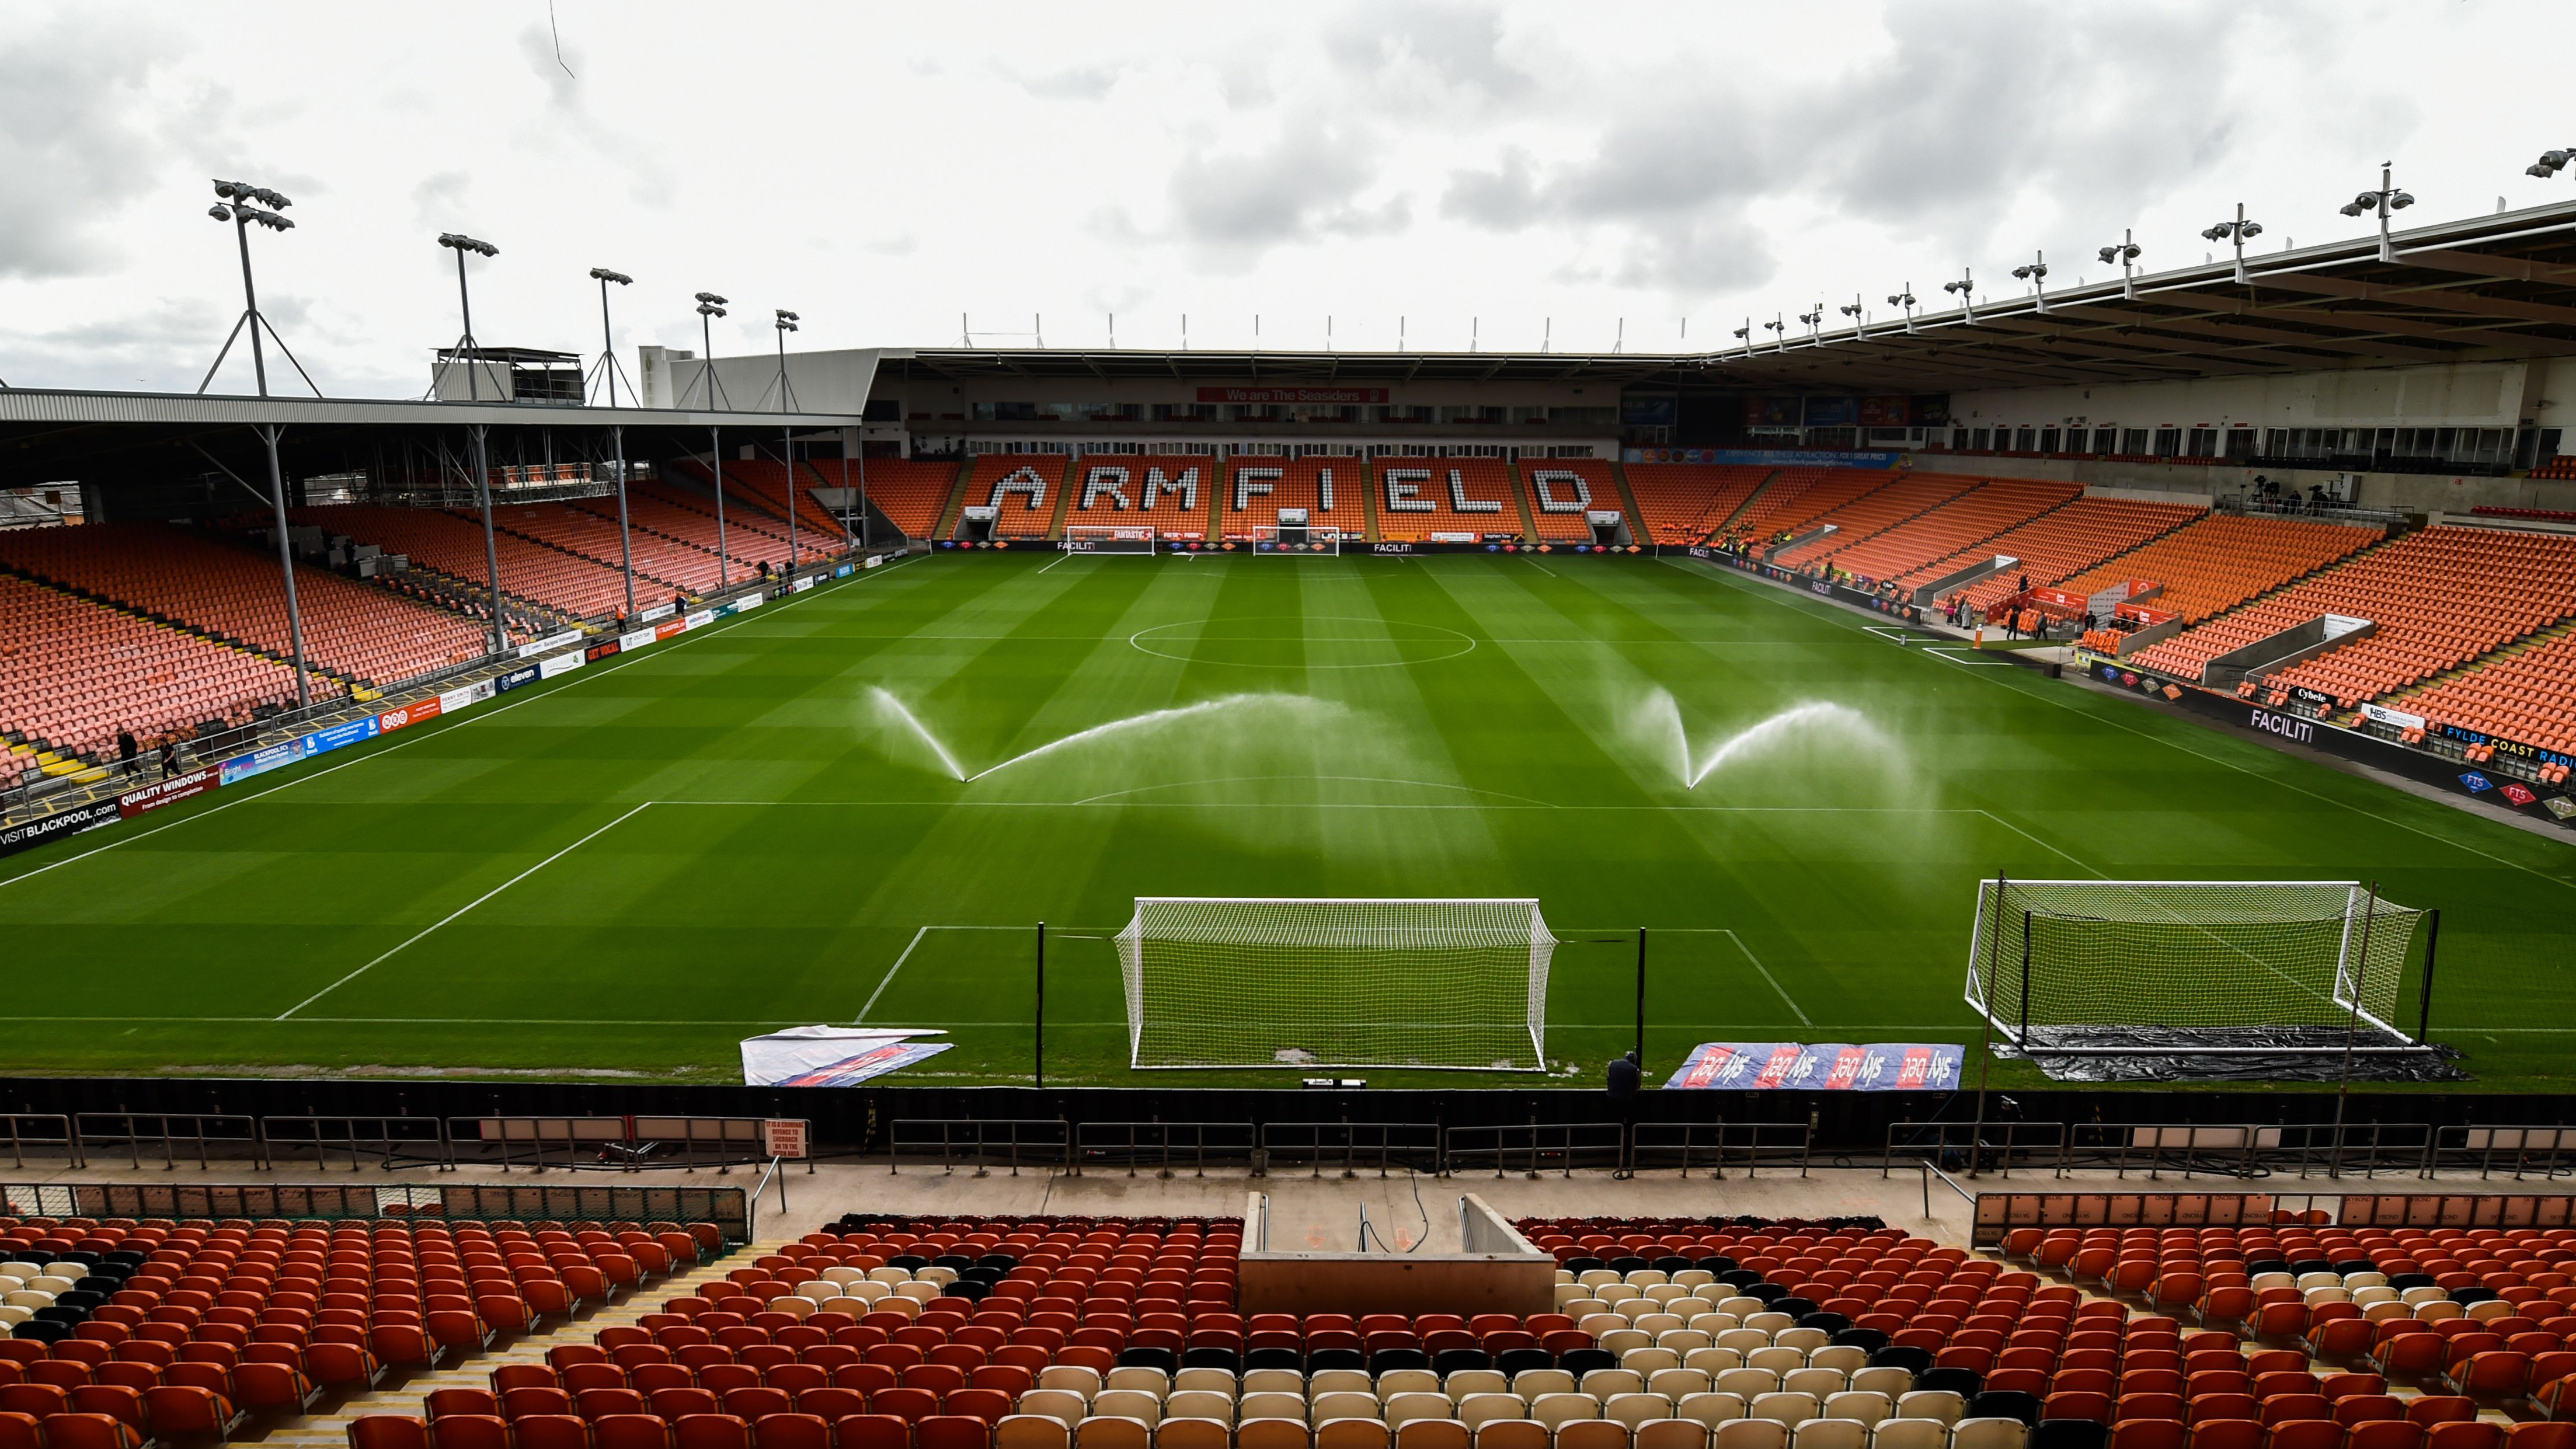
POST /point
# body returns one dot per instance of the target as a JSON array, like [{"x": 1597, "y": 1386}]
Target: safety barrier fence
[
  {"x": 729, "y": 1208},
  {"x": 2000, "y": 1214},
  {"x": 2244, "y": 1151}
]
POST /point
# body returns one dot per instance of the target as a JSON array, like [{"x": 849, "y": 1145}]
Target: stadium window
[
  {"x": 2025, "y": 440},
  {"x": 2048, "y": 440},
  {"x": 1981, "y": 440},
  {"x": 2240, "y": 442},
  {"x": 2168, "y": 443},
  {"x": 2204, "y": 443}
]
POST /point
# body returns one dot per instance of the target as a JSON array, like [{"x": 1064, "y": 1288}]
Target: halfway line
[{"x": 461, "y": 910}]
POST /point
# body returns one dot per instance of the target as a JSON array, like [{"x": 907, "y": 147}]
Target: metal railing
[
  {"x": 728, "y": 1208},
  {"x": 2548, "y": 1151},
  {"x": 169, "y": 1136},
  {"x": 982, "y": 1144},
  {"x": 1533, "y": 1148},
  {"x": 1160, "y": 1144},
  {"x": 1413, "y": 1146},
  {"x": 2193, "y": 1149},
  {"x": 1716, "y": 1146},
  {"x": 1996, "y": 1147},
  {"x": 391, "y": 1141},
  {"x": 40, "y": 1131}
]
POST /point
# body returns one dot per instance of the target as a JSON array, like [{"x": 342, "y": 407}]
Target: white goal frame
[
  {"x": 1322, "y": 541},
  {"x": 2362, "y": 997},
  {"x": 1110, "y": 538},
  {"x": 1477, "y": 983}
]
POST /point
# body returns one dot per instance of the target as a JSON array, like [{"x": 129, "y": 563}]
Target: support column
[
  {"x": 268, "y": 434},
  {"x": 491, "y": 550}
]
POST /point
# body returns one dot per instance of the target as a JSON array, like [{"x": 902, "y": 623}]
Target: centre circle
[{"x": 1303, "y": 642}]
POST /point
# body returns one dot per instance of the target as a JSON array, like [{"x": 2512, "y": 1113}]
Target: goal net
[
  {"x": 2190, "y": 967},
  {"x": 1250, "y": 982},
  {"x": 1096, "y": 538},
  {"x": 1310, "y": 540}
]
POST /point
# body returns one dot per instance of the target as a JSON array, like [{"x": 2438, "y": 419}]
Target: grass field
[{"x": 630, "y": 868}]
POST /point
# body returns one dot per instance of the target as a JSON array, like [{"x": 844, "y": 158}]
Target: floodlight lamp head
[
  {"x": 603, "y": 274},
  {"x": 711, "y": 299},
  {"x": 2356, "y": 208},
  {"x": 2554, "y": 159},
  {"x": 230, "y": 189},
  {"x": 2219, "y": 232},
  {"x": 219, "y": 212},
  {"x": 2109, "y": 254},
  {"x": 458, "y": 241},
  {"x": 2398, "y": 200},
  {"x": 710, "y": 309},
  {"x": 786, "y": 316},
  {"x": 2249, "y": 229},
  {"x": 2540, "y": 169},
  {"x": 2022, "y": 273}
]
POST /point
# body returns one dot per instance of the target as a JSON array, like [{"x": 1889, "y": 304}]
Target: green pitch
[{"x": 625, "y": 871}]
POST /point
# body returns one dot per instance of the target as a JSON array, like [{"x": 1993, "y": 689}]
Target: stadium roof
[
  {"x": 48, "y": 435},
  {"x": 2500, "y": 287}
]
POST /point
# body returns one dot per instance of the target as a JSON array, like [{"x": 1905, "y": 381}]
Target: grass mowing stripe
[{"x": 461, "y": 910}]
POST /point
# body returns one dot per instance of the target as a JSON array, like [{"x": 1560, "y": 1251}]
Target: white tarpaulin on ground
[{"x": 833, "y": 1056}]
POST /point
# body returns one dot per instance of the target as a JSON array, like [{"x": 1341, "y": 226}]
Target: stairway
[{"x": 327, "y": 1427}]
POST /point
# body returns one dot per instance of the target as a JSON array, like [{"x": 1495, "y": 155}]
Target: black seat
[
  {"x": 1580, "y": 1266},
  {"x": 1671, "y": 1265},
  {"x": 957, "y": 1262},
  {"x": 1335, "y": 1358},
  {"x": 2461, "y": 1296},
  {"x": 1829, "y": 1322},
  {"x": 1869, "y": 1340},
  {"x": 1450, "y": 1360},
  {"x": 2004, "y": 1404},
  {"x": 1896, "y": 1355},
  {"x": 1739, "y": 1278},
  {"x": 1513, "y": 1360},
  {"x": 1152, "y": 1358},
  {"x": 1387, "y": 1360},
  {"x": 2403, "y": 1281},
  {"x": 2312, "y": 1265},
  {"x": 2355, "y": 1265},
  {"x": 1717, "y": 1263},
  {"x": 973, "y": 1290},
  {"x": 1273, "y": 1358},
  {"x": 1966, "y": 1383},
  {"x": 1795, "y": 1305},
  {"x": 1769, "y": 1294},
  {"x": 2069, "y": 1434},
  {"x": 1581, "y": 1361},
  {"x": 1215, "y": 1358},
  {"x": 2266, "y": 1265},
  {"x": 1002, "y": 1261},
  {"x": 908, "y": 1262},
  {"x": 1625, "y": 1266},
  {"x": 43, "y": 1330}
]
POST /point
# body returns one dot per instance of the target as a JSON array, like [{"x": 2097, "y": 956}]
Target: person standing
[
  {"x": 1624, "y": 1075},
  {"x": 169, "y": 759},
  {"x": 126, "y": 749}
]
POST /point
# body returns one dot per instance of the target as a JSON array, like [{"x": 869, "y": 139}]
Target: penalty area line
[
  {"x": 461, "y": 910},
  {"x": 888, "y": 979}
]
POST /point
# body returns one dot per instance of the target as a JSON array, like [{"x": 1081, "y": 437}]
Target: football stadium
[{"x": 2000, "y": 875}]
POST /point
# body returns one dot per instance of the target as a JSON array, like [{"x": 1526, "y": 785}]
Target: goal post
[
  {"x": 1308, "y": 541},
  {"x": 2100, "y": 967},
  {"x": 1453, "y": 985},
  {"x": 1109, "y": 538}
]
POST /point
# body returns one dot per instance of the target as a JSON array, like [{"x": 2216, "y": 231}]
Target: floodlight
[
  {"x": 603, "y": 274},
  {"x": 712, "y": 298},
  {"x": 459, "y": 242}
]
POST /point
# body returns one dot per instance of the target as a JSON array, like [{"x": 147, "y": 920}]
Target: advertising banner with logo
[
  {"x": 1295, "y": 396},
  {"x": 405, "y": 716},
  {"x": 168, "y": 792},
  {"x": 516, "y": 678},
  {"x": 699, "y": 620},
  {"x": 598, "y": 652},
  {"x": 472, "y": 694},
  {"x": 670, "y": 627},
  {"x": 2398, "y": 717},
  {"x": 58, "y": 825},
  {"x": 875, "y": 559},
  {"x": 260, "y": 762},
  {"x": 323, "y": 741},
  {"x": 549, "y": 643},
  {"x": 1829, "y": 1067},
  {"x": 832, "y": 1056},
  {"x": 801, "y": 585},
  {"x": 1765, "y": 457},
  {"x": 637, "y": 640},
  {"x": 843, "y": 571},
  {"x": 658, "y": 611},
  {"x": 560, "y": 664}
]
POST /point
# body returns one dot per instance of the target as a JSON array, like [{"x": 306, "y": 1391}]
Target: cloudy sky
[{"x": 1518, "y": 171}]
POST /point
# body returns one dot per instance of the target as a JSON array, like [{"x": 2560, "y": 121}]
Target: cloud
[
  {"x": 75, "y": 141},
  {"x": 568, "y": 101},
  {"x": 436, "y": 200},
  {"x": 1077, "y": 83},
  {"x": 1458, "y": 47},
  {"x": 1304, "y": 184},
  {"x": 1503, "y": 199}
]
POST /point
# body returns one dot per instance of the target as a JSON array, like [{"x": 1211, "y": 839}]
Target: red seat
[
  {"x": 383, "y": 1431},
  {"x": 759, "y": 1402},
  {"x": 90, "y": 1431},
  {"x": 2475, "y": 1434},
  {"x": 793, "y": 1431},
  {"x": 872, "y": 1431},
  {"x": 550, "y": 1431},
  {"x": 908, "y": 1404},
  {"x": 519, "y": 1403},
  {"x": 405, "y": 1344},
  {"x": 2226, "y": 1434},
  {"x": 2303, "y": 1434},
  {"x": 273, "y": 1387},
  {"x": 342, "y": 1364},
  {"x": 181, "y": 1410},
  {"x": 710, "y": 1431},
  {"x": 953, "y": 1431},
  {"x": 2541, "y": 1436},
  {"x": 2385, "y": 1434},
  {"x": 444, "y": 1403},
  {"x": 630, "y": 1431},
  {"x": 2431, "y": 1409},
  {"x": 20, "y": 1431},
  {"x": 2147, "y": 1434},
  {"x": 2078, "y": 1404}
]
